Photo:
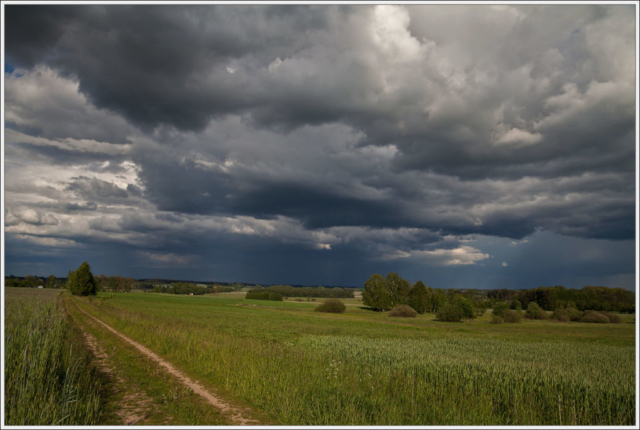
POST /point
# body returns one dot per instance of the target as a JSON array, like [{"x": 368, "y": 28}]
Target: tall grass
[
  {"x": 49, "y": 377},
  {"x": 302, "y": 378},
  {"x": 524, "y": 383}
]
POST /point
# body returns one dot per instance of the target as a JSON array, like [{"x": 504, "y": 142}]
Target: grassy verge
[{"x": 49, "y": 376}]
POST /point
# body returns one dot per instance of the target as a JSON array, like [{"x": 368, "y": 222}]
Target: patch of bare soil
[{"x": 237, "y": 415}]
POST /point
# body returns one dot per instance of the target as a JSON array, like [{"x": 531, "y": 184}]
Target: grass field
[
  {"x": 50, "y": 378},
  {"x": 296, "y": 366}
]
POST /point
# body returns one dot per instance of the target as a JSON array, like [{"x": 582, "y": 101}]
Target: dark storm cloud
[
  {"x": 122, "y": 55},
  {"x": 323, "y": 76},
  {"x": 377, "y": 136},
  {"x": 35, "y": 31}
]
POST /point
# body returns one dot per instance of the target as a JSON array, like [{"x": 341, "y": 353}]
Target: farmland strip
[{"x": 236, "y": 413}]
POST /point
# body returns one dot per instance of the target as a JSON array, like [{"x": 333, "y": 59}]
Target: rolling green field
[{"x": 296, "y": 366}]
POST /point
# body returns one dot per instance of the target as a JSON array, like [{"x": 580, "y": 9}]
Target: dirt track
[{"x": 236, "y": 414}]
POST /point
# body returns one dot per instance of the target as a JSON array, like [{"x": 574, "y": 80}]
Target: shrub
[
  {"x": 574, "y": 314},
  {"x": 561, "y": 315},
  {"x": 496, "y": 320},
  {"x": 512, "y": 316},
  {"x": 515, "y": 304},
  {"x": 334, "y": 306},
  {"x": 613, "y": 318},
  {"x": 594, "y": 317},
  {"x": 403, "y": 311},
  {"x": 499, "y": 308},
  {"x": 449, "y": 313},
  {"x": 535, "y": 313}
]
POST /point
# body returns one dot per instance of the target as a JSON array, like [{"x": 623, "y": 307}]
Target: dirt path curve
[{"x": 235, "y": 413}]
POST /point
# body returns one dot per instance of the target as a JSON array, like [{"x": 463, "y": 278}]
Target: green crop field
[
  {"x": 49, "y": 376},
  {"x": 296, "y": 366}
]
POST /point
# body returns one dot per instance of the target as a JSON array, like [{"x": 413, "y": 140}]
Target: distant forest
[
  {"x": 289, "y": 291},
  {"x": 551, "y": 298}
]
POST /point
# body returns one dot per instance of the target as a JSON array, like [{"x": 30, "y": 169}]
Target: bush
[
  {"x": 515, "y": 304},
  {"x": 574, "y": 314},
  {"x": 496, "y": 320},
  {"x": 561, "y": 315},
  {"x": 594, "y": 317},
  {"x": 449, "y": 313},
  {"x": 499, "y": 308},
  {"x": 403, "y": 311},
  {"x": 512, "y": 316},
  {"x": 535, "y": 313},
  {"x": 334, "y": 306},
  {"x": 613, "y": 318}
]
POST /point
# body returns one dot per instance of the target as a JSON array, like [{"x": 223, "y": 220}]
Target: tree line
[
  {"x": 288, "y": 291},
  {"x": 380, "y": 293},
  {"x": 34, "y": 281},
  {"x": 264, "y": 295},
  {"x": 386, "y": 293},
  {"x": 587, "y": 298},
  {"x": 183, "y": 288}
]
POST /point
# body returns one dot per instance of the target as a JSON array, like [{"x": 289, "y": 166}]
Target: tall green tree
[
  {"x": 419, "y": 298},
  {"x": 376, "y": 294},
  {"x": 50, "y": 282},
  {"x": 81, "y": 281},
  {"x": 398, "y": 289},
  {"x": 468, "y": 309},
  {"x": 438, "y": 299}
]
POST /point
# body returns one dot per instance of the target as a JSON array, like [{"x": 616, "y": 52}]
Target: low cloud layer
[{"x": 360, "y": 138}]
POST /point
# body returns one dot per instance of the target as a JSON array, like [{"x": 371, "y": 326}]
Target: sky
[{"x": 467, "y": 146}]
